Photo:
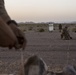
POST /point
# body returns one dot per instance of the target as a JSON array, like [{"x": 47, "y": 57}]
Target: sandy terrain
[{"x": 48, "y": 45}]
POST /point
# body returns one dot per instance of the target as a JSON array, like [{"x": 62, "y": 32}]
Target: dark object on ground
[
  {"x": 41, "y": 30},
  {"x": 70, "y": 37},
  {"x": 69, "y": 70},
  {"x": 35, "y": 66}
]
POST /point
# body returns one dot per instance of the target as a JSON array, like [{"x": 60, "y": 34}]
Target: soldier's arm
[
  {"x": 12, "y": 24},
  {"x": 3, "y": 13}
]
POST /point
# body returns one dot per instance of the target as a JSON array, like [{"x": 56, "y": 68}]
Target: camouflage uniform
[
  {"x": 6, "y": 34},
  {"x": 10, "y": 35},
  {"x": 3, "y": 12},
  {"x": 60, "y": 27},
  {"x": 65, "y": 34},
  {"x": 2, "y": 8}
]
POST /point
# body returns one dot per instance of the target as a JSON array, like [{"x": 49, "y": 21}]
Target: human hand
[
  {"x": 21, "y": 39},
  {"x": 19, "y": 35},
  {"x": 10, "y": 35}
]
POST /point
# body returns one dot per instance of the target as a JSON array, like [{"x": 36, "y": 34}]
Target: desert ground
[{"x": 56, "y": 52}]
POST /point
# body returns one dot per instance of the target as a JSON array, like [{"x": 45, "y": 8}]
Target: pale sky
[{"x": 42, "y": 10}]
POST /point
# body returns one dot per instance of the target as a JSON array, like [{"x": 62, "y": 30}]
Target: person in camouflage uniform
[
  {"x": 65, "y": 34},
  {"x": 10, "y": 35},
  {"x": 60, "y": 27}
]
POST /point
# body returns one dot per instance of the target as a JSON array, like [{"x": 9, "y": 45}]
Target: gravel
[{"x": 55, "y": 52}]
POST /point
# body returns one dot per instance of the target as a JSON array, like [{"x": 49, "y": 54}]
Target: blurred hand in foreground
[
  {"x": 10, "y": 35},
  {"x": 19, "y": 35}
]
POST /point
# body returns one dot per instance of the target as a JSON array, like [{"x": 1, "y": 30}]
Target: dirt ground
[{"x": 56, "y": 52}]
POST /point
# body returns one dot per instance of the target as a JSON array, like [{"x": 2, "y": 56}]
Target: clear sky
[{"x": 42, "y": 10}]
